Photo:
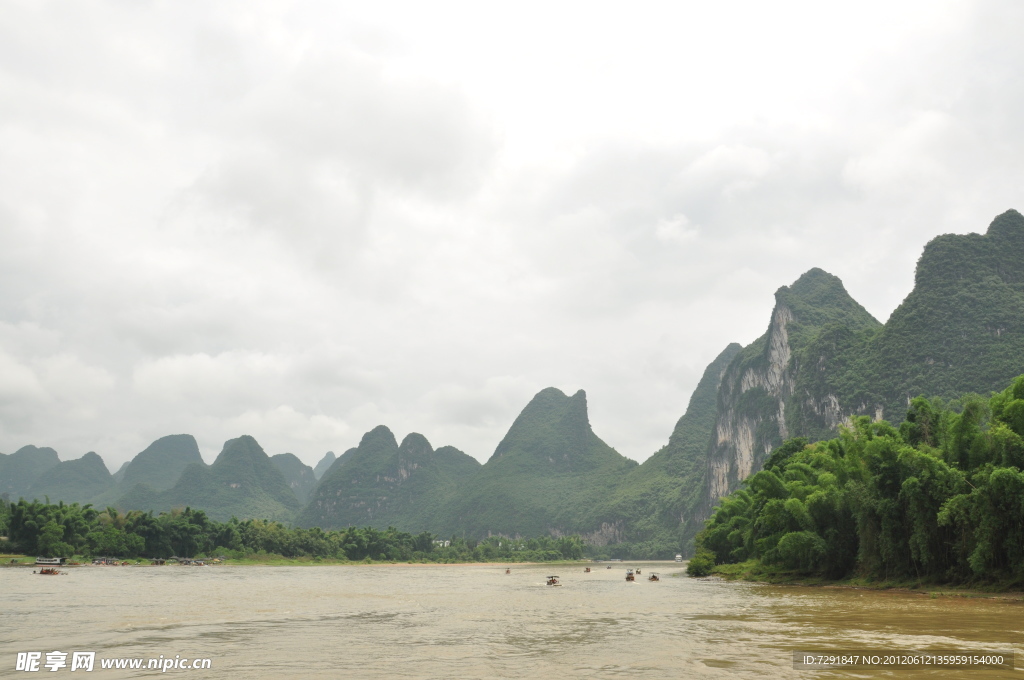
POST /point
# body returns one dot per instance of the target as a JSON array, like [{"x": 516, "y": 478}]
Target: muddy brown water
[{"x": 447, "y": 621}]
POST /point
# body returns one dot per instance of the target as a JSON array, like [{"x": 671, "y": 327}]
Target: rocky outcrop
[{"x": 760, "y": 397}]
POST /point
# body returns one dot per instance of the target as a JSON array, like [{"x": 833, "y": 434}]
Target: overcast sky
[{"x": 302, "y": 220}]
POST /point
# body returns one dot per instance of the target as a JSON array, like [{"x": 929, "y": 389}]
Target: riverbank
[
  {"x": 755, "y": 572},
  {"x": 268, "y": 560}
]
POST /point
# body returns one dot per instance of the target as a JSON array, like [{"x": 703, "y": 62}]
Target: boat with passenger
[
  {"x": 653, "y": 577},
  {"x": 51, "y": 561},
  {"x": 629, "y": 575},
  {"x": 553, "y": 581}
]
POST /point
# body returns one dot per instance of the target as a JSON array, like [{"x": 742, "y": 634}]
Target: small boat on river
[
  {"x": 629, "y": 575},
  {"x": 553, "y": 581},
  {"x": 48, "y": 571},
  {"x": 653, "y": 577},
  {"x": 50, "y": 561},
  {"x": 508, "y": 571},
  {"x": 586, "y": 570}
]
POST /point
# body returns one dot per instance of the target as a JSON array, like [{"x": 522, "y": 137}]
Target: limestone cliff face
[
  {"x": 762, "y": 395},
  {"x": 745, "y": 430}
]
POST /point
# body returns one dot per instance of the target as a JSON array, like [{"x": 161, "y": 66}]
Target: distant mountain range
[{"x": 823, "y": 359}]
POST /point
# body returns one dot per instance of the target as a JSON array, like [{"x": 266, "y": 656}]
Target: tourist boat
[
  {"x": 653, "y": 577},
  {"x": 48, "y": 571},
  {"x": 629, "y": 575},
  {"x": 553, "y": 581},
  {"x": 50, "y": 561},
  {"x": 586, "y": 570},
  {"x": 637, "y": 572},
  {"x": 679, "y": 558}
]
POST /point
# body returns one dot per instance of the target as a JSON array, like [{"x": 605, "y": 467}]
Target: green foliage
[
  {"x": 942, "y": 498},
  {"x": 960, "y": 330},
  {"x": 63, "y": 530},
  {"x": 701, "y": 563}
]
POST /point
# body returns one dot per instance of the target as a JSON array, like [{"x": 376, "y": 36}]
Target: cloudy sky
[{"x": 299, "y": 220}]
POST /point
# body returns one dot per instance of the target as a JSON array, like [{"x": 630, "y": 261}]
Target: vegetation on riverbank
[
  {"x": 940, "y": 500},
  {"x": 758, "y": 572},
  {"x": 61, "y": 530}
]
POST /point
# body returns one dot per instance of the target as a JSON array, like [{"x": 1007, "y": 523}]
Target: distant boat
[
  {"x": 48, "y": 571},
  {"x": 653, "y": 577},
  {"x": 586, "y": 570},
  {"x": 629, "y": 575},
  {"x": 553, "y": 581},
  {"x": 51, "y": 561},
  {"x": 679, "y": 558}
]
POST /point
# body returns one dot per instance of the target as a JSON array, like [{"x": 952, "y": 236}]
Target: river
[{"x": 447, "y": 621}]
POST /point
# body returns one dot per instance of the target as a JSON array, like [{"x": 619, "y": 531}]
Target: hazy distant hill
[
  {"x": 299, "y": 476},
  {"x": 382, "y": 484},
  {"x": 20, "y": 469},
  {"x": 73, "y": 481},
  {"x": 162, "y": 462},
  {"x": 156, "y": 468},
  {"x": 119, "y": 475},
  {"x": 545, "y": 476},
  {"x": 324, "y": 464},
  {"x": 242, "y": 482}
]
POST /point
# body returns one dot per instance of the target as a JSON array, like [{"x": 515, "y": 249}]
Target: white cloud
[{"x": 302, "y": 221}]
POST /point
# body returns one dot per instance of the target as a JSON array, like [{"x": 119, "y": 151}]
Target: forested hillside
[
  {"x": 824, "y": 360},
  {"x": 940, "y": 498}
]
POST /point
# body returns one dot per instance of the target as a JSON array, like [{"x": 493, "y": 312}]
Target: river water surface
[{"x": 447, "y": 621}]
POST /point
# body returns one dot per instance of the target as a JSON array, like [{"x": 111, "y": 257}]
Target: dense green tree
[{"x": 940, "y": 498}]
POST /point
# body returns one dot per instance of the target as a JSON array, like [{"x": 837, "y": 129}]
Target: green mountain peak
[
  {"x": 381, "y": 484},
  {"x": 552, "y": 428},
  {"x": 20, "y": 469},
  {"x": 300, "y": 477},
  {"x": 324, "y": 464},
  {"x": 1008, "y": 226},
  {"x": 162, "y": 462},
  {"x": 818, "y": 299},
  {"x": 242, "y": 482},
  {"x": 73, "y": 481}
]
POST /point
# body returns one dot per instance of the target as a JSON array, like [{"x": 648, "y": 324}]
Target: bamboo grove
[
  {"x": 940, "y": 499},
  {"x": 60, "y": 530}
]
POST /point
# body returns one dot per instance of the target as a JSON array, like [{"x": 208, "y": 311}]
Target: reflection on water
[{"x": 434, "y": 621}]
